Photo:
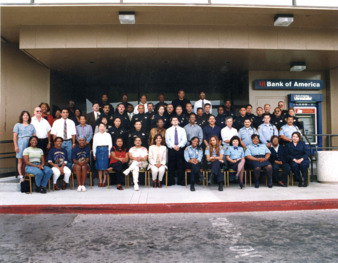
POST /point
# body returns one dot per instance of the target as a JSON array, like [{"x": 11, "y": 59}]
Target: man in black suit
[
  {"x": 278, "y": 160},
  {"x": 94, "y": 115}
]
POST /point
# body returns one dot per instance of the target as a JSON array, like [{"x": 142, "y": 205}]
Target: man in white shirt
[
  {"x": 42, "y": 130},
  {"x": 200, "y": 103},
  {"x": 176, "y": 139},
  {"x": 143, "y": 100},
  {"x": 65, "y": 128},
  {"x": 228, "y": 131}
]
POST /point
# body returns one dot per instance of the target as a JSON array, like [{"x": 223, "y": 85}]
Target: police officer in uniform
[
  {"x": 248, "y": 108},
  {"x": 285, "y": 132},
  {"x": 120, "y": 113},
  {"x": 228, "y": 111},
  {"x": 220, "y": 118},
  {"x": 200, "y": 119},
  {"x": 182, "y": 120},
  {"x": 246, "y": 132},
  {"x": 258, "y": 118},
  {"x": 296, "y": 121},
  {"x": 266, "y": 130},
  {"x": 138, "y": 132},
  {"x": 143, "y": 118},
  {"x": 118, "y": 131},
  {"x": 106, "y": 112},
  {"x": 239, "y": 123},
  {"x": 277, "y": 118}
]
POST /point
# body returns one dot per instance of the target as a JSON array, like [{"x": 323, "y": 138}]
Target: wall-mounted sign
[{"x": 287, "y": 84}]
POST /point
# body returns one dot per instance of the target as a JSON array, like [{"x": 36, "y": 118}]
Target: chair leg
[
  {"x": 225, "y": 178},
  {"x": 49, "y": 185},
  {"x": 90, "y": 180},
  {"x": 30, "y": 185},
  {"x": 166, "y": 179},
  {"x": 186, "y": 179},
  {"x": 228, "y": 179},
  {"x": 108, "y": 180},
  {"x": 203, "y": 180},
  {"x": 73, "y": 182},
  {"x": 206, "y": 178},
  {"x": 250, "y": 177}
]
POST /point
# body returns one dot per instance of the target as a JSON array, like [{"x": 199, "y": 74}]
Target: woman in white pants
[
  {"x": 157, "y": 160},
  {"x": 138, "y": 156}
]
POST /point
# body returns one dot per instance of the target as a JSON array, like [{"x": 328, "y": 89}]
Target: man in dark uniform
[
  {"x": 125, "y": 123},
  {"x": 259, "y": 117},
  {"x": 200, "y": 121},
  {"x": 249, "y": 113},
  {"x": 188, "y": 110},
  {"x": 292, "y": 113},
  {"x": 277, "y": 118},
  {"x": 160, "y": 103},
  {"x": 138, "y": 132},
  {"x": 282, "y": 108},
  {"x": 107, "y": 114},
  {"x": 180, "y": 100},
  {"x": 143, "y": 118},
  {"x": 118, "y": 131},
  {"x": 239, "y": 122},
  {"x": 228, "y": 112},
  {"x": 182, "y": 120},
  {"x": 207, "y": 113},
  {"x": 220, "y": 118},
  {"x": 151, "y": 111},
  {"x": 267, "y": 110},
  {"x": 105, "y": 101}
]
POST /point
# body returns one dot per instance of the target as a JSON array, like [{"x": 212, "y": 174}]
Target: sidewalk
[{"x": 173, "y": 199}]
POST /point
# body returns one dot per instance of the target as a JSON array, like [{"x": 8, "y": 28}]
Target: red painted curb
[{"x": 224, "y": 207}]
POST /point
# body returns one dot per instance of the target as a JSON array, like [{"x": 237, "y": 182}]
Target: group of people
[{"x": 174, "y": 137}]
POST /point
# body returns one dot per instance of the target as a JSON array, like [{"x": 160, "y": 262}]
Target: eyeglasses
[{"x": 38, "y": 111}]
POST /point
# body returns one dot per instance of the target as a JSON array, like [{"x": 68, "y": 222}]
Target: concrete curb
[{"x": 222, "y": 207}]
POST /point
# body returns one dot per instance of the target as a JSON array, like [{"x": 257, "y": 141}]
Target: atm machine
[{"x": 308, "y": 108}]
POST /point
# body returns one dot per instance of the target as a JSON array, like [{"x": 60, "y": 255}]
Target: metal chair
[
  {"x": 234, "y": 171},
  {"x": 166, "y": 177},
  {"x": 292, "y": 175},
  {"x": 206, "y": 173},
  {"x": 71, "y": 182},
  {"x": 144, "y": 170}
]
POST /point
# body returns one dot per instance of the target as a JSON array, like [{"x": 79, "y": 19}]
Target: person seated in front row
[
  {"x": 214, "y": 154},
  {"x": 193, "y": 155},
  {"x": 157, "y": 160},
  {"x": 80, "y": 157},
  {"x": 138, "y": 156},
  {"x": 34, "y": 160},
  {"x": 235, "y": 158},
  {"x": 298, "y": 158},
  {"x": 278, "y": 160},
  {"x": 257, "y": 156},
  {"x": 118, "y": 159},
  {"x": 57, "y": 159}
]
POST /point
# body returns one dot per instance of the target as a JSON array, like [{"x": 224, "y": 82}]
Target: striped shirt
[{"x": 34, "y": 154}]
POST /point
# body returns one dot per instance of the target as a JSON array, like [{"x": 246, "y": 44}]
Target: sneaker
[
  {"x": 79, "y": 188},
  {"x": 83, "y": 188},
  {"x": 136, "y": 187},
  {"x": 126, "y": 172}
]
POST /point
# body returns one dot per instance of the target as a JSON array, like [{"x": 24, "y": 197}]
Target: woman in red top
[
  {"x": 118, "y": 157},
  {"x": 44, "y": 109}
]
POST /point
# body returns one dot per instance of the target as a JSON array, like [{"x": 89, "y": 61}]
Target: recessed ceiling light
[
  {"x": 283, "y": 20},
  {"x": 297, "y": 66},
  {"x": 127, "y": 17}
]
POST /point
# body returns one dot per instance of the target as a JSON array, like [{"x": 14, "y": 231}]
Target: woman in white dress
[
  {"x": 138, "y": 156},
  {"x": 157, "y": 160}
]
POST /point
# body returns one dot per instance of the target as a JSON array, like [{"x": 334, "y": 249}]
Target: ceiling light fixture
[
  {"x": 127, "y": 17},
  {"x": 283, "y": 20},
  {"x": 298, "y": 66}
]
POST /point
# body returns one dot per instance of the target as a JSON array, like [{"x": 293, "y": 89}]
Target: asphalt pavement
[{"x": 289, "y": 236}]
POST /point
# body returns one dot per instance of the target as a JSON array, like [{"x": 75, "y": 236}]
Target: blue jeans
[
  {"x": 41, "y": 176},
  {"x": 67, "y": 145}
]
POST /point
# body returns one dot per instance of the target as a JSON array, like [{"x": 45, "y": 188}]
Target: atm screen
[{"x": 308, "y": 115}]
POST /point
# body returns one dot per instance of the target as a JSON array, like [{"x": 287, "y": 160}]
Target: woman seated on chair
[
  {"x": 235, "y": 158},
  {"x": 118, "y": 159},
  {"x": 157, "y": 160},
  {"x": 298, "y": 158},
  {"x": 80, "y": 157},
  {"x": 257, "y": 156},
  {"x": 193, "y": 155},
  {"x": 214, "y": 154},
  {"x": 138, "y": 156},
  {"x": 34, "y": 160},
  {"x": 57, "y": 158}
]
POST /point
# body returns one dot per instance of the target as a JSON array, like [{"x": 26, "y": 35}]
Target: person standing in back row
[
  {"x": 176, "y": 139},
  {"x": 180, "y": 100},
  {"x": 201, "y": 102}
]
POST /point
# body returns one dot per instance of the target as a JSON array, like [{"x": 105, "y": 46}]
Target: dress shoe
[
  {"x": 43, "y": 190},
  {"x": 119, "y": 187},
  {"x": 241, "y": 185},
  {"x": 56, "y": 188},
  {"x": 64, "y": 185},
  {"x": 159, "y": 184},
  {"x": 38, "y": 189},
  {"x": 256, "y": 185},
  {"x": 305, "y": 185},
  {"x": 100, "y": 185},
  {"x": 280, "y": 183},
  {"x": 270, "y": 185},
  {"x": 154, "y": 184},
  {"x": 300, "y": 184},
  {"x": 103, "y": 184},
  {"x": 220, "y": 187},
  {"x": 192, "y": 188}
]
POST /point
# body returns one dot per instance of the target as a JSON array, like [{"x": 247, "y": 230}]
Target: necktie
[
  {"x": 203, "y": 105},
  {"x": 176, "y": 137},
  {"x": 65, "y": 130},
  {"x": 236, "y": 148}
]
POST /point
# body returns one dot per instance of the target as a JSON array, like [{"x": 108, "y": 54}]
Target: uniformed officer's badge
[
  {"x": 143, "y": 134},
  {"x": 145, "y": 117},
  {"x": 153, "y": 117}
]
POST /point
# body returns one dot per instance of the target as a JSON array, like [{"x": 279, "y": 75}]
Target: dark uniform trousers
[
  {"x": 195, "y": 171},
  {"x": 216, "y": 171},
  {"x": 176, "y": 163},
  {"x": 118, "y": 167},
  {"x": 303, "y": 166},
  {"x": 275, "y": 174}
]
